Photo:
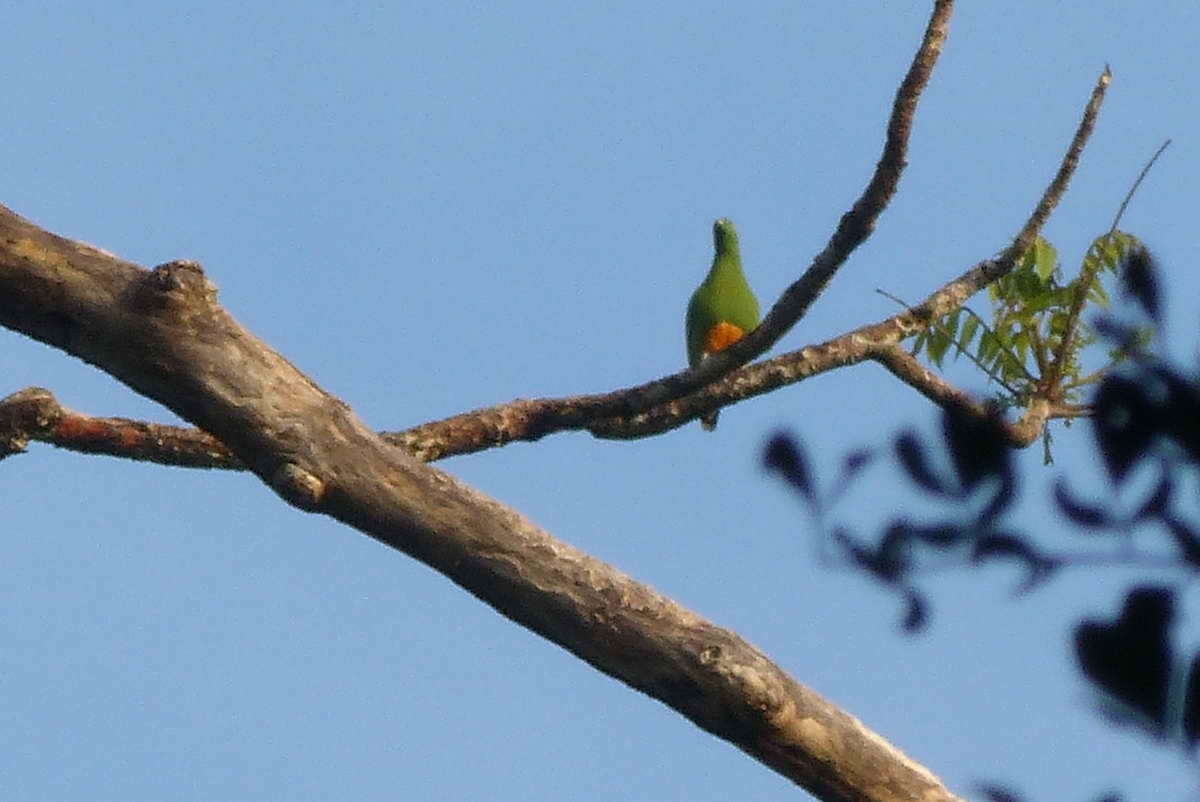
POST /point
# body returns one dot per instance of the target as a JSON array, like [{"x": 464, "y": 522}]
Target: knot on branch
[
  {"x": 23, "y": 414},
  {"x": 298, "y": 487},
  {"x": 178, "y": 285}
]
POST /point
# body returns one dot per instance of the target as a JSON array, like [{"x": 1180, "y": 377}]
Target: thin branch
[
  {"x": 1058, "y": 186},
  {"x": 35, "y": 414},
  {"x": 858, "y": 224},
  {"x": 960, "y": 351},
  {"x": 1063, "y": 355},
  {"x": 1133, "y": 189},
  {"x": 1020, "y": 433}
]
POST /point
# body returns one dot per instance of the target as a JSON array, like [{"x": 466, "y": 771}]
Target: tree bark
[{"x": 163, "y": 333}]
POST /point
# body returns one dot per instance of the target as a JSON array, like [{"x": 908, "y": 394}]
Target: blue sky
[{"x": 435, "y": 207}]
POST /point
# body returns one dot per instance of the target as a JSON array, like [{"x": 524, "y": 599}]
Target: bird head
[{"x": 725, "y": 236}]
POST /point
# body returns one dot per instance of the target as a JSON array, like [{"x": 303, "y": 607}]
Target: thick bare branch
[{"x": 163, "y": 333}]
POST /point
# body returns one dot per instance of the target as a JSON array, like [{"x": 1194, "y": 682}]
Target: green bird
[{"x": 723, "y": 309}]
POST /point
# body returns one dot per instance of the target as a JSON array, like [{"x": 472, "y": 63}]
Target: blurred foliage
[{"x": 1145, "y": 423}]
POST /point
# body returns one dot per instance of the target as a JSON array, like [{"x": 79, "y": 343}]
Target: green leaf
[
  {"x": 1107, "y": 251},
  {"x": 1044, "y": 257},
  {"x": 1021, "y": 345},
  {"x": 919, "y": 342},
  {"x": 988, "y": 347},
  {"x": 968, "y": 332},
  {"x": 938, "y": 343}
]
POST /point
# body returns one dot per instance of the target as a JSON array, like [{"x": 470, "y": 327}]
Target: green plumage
[{"x": 723, "y": 297}]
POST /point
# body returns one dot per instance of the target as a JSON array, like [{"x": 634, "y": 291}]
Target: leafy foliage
[{"x": 1033, "y": 342}]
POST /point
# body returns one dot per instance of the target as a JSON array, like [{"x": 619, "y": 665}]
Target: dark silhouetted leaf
[
  {"x": 785, "y": 455},
  {"x": 977, "y": 446},
  {"x": 1038, "y": 572},
  {"x": 1003, "y": 546},
  {"x": 1131, "y": 658},
  {"x": 1087, "y": 515},
  {"x": 886, "y": 563},
  {"x": 1191, "y": 704},
  {"x": 1185, "y": 538},
  {"x": 891, "y": 558},
  {"x": 852, "y": 465},
  {"x": 1140, "y": 277},
  {"x": 1180, "y": 418},
  {"x": 1002, "y": 499},
  {"x": 856, "y": 460},
  {"x": 1124, "y": 336},
  {"x": 940, "y": 536},
  {"x": 998, "y": 793},
  {"x": 857, "y": 553},
  {"x": 917, "y": 614},
  {"x": 1123, "y": 424},
  {"x": 1158, "y": 504},
  {"x": 911, "y": 453}
]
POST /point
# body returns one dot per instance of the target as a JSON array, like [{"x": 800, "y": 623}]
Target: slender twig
[
  {"x": 35, "y": 414},
  {"x": 1133, "y": 189},
  {"x": 960, "y": 351},
  {"x": 1063, "y": 355}
]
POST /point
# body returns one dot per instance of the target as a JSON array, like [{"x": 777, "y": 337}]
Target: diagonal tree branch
[{"x": 163, "y": 333}]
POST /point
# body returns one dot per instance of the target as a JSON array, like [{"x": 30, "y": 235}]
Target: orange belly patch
[{"x": 722, "y": 336}]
